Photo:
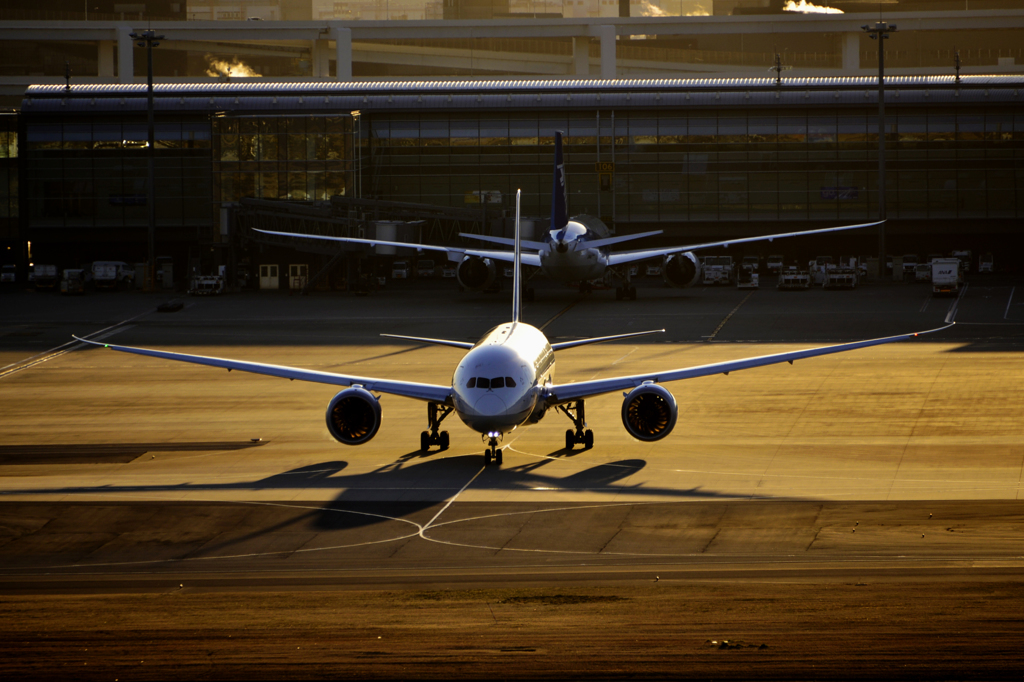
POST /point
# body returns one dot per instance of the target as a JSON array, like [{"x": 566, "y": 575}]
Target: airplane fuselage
[
  {"x": 500, "y": 381},
  {"x": 568, "y": 258}
]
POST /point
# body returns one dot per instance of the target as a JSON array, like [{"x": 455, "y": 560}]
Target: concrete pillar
[
  {"x": 851, "y": 52},
  {"x": 105, "y": 60},
  {"x": 607, "y": 35},
  {"x": 125, "y": 59},
  {"x": 319, "y": 57},
  {"x": 581, "y": 56},
  {"x": 343, "y": 51}
]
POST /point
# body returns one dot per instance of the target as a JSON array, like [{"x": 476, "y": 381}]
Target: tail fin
[
  {"x": 559, "y": 202},
  {"x": 517, "y": 269}
]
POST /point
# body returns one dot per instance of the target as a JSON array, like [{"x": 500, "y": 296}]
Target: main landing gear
[
  {"x": 581, "y": 434},
  {"x": 435, "y": 415},
  {"x": 493, "y": 452}
]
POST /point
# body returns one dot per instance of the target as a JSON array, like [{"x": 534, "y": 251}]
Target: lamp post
[
  {"x": 880, "y": 31},
  {"x": 148, "y": 40}
]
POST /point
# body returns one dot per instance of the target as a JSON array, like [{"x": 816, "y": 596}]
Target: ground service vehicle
[
  {"x": 400, "y": 269},
  {"x": 985, "y": 263},
  {"x": 947, "y": 276},
  {"x": 112, "y": 274},
  {"x": 751, "y": 263},
  {"x": 425, "y": 267},
  {"x": 775, "y": 263},
  {"x": 44, "y": 276},
  {"x": 73, "y": 282},
  {"x": 718, "y": 270}
]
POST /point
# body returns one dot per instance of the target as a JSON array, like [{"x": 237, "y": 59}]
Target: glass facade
[
  {"x": 8, "y": 177},
  {"x": 92, "y": 173},
  {"x": 705, "y": 165},
  {"x": 298, "y": 158}
]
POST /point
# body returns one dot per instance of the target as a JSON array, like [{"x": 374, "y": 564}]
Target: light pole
[
  {"x": 148, "y": 40},
  {"x": 880, "y": 31}
]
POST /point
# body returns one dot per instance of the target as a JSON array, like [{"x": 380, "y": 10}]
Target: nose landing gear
[
  {"x": 581, "y": 434},
  {"x": 493, "y": 452},
  {"x": 435, "y": 415}
]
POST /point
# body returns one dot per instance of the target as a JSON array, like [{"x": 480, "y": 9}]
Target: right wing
[
  {"x": 631, "y": 256},
  {"x": 454, "y": 253},
  {"x": 407, "y": 389},
  {"x": 567, "y": 392}
]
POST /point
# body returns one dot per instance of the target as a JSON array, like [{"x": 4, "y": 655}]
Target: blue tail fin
[{"x": 559, "y": 203}]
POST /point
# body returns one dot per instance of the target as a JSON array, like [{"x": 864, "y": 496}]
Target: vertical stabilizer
[
  {"x": 517, "y": 269},
  {"x": 559, "y": 202}
]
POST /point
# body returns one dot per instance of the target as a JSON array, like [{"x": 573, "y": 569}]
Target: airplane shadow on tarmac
[{"x": 418, "y": 486}]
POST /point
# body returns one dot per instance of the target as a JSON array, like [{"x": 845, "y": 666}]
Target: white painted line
[
  {"x": 1009, "y": 302},
  {"x": 951, "y": 314}
]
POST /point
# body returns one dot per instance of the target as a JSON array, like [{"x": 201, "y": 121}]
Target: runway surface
[{"x": 126, "y": 474}]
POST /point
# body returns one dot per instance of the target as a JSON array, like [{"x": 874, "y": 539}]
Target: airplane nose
[{"x": 490, "y": 404}]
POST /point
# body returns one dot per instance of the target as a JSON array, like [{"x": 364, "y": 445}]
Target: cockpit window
[{"x": 496, "y": 382}]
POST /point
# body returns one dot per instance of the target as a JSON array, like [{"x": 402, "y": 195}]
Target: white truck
[
  {"x": 947, "y": 276},
  {"x": 775, "y": 263},
  {"x": 400, "y": 269},
  {"x": 985, "y": 263},
  {"x": 43, "y": 276},
  {"x": 112, "y": 274},
  {"x": 718, "y": 270}
]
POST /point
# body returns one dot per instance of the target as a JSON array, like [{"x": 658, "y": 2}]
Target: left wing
[
  {"x": 454, "y": 253},
  {"x": 631, "y": 256},
  {"x": 407, "y": 389},
  {"x": 566, "y": 392}
]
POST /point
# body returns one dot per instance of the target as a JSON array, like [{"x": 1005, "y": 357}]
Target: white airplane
[
  {"x": 574, "y": 250},
  {"x": 506, "y": 380}
]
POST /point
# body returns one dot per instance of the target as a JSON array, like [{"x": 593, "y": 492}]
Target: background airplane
[
  {"x": 574, "y": 250},
  {"x": 505, "y": 381}
]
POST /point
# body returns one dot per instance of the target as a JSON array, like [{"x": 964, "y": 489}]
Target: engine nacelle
[
  {"x": 680, "y": 270},
  {"x": 649, "y": 412},
  {"x": 353, "y": 416},
  {"x": 476, "y": 273}
]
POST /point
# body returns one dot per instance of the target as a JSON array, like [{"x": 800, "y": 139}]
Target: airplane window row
[{"x": 496, "y": 382}]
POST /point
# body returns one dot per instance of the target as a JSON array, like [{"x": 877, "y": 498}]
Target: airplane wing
[
  {"x": 437, "y": 342},
  {"x": 631, "y": 256},
  {"x": 505, "y": 241},
  {"x": 562, "y": 393},
  {"x": 539, "y": 246},
  {"x": 407, "y": 389},
  {"x": 454, "y": 253}
]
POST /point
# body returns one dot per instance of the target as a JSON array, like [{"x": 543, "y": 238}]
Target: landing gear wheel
[
  {"x": 444, "y": 440},
  {"x": 570, "y": 439},
  {"x": 497, "y": 456},
  {"x": 487, "y": 457},
  {"x": 424, "y": 441},
  {"x": 588, "y": 439}
]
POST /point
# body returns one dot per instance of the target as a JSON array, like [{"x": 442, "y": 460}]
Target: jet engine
[
  {"x": 476, "y": 273},
  {"x": 680, "y": 270},
  {"x": 649, "y": 412},
  {"x": 353, "y": 416}
]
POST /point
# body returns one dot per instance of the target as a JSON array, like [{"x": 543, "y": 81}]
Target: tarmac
[{"x": 125, "y": 473}]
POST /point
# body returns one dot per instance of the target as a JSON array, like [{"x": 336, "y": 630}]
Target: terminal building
[{"x": 699, "y": 159}]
